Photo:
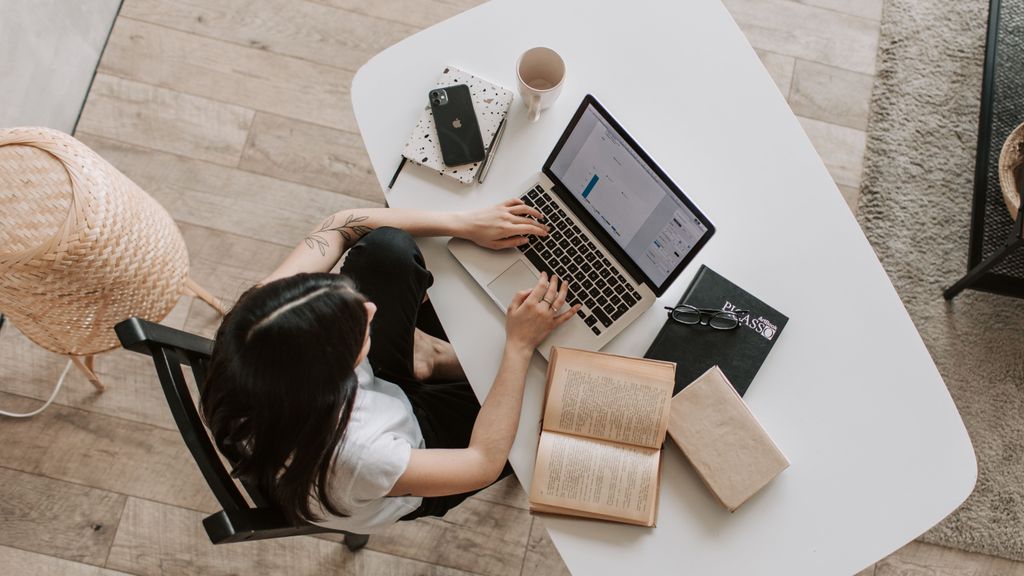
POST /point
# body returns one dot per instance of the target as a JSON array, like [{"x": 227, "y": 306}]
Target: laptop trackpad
[{"x": 517, "y": 277}]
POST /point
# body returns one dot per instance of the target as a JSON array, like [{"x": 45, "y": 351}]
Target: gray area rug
[{"x": 915, "y": 210}]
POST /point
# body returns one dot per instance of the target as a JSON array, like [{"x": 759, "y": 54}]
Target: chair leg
[
  {"x": 355, "y": 541},
  {"x": 87, "y": 368},
  {"x": 201, "y": 293},
  {"x": 974, "y": 273}
]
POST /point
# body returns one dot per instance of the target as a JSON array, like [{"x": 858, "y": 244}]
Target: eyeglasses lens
[
  {"x": 686, "y": 315},
  {"x": 724, "y": 321}
]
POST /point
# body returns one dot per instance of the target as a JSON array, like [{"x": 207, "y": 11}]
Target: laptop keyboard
[{"x": 594, "y": 281}]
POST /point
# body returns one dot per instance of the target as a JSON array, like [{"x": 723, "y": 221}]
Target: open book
[{"x": 605, "y": 419}]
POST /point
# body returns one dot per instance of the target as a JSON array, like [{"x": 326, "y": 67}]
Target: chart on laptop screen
[
  {"x": 621, "y": 191},
  {"x": 612, "y": 186}
]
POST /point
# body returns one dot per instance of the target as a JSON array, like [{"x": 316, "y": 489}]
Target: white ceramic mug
[{"x": 541, "y": 73}]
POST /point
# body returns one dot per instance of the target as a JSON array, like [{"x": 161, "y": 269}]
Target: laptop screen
[{"x": 635, "y": 204}]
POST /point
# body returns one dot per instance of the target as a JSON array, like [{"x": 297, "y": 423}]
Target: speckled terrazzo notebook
[{"x": 491, "y": 104}]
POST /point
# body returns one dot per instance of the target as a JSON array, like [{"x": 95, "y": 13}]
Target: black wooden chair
[{"x": 238, "y": 521}]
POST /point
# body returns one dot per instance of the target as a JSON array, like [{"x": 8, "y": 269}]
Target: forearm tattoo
[{"x": 351, "y": 230}]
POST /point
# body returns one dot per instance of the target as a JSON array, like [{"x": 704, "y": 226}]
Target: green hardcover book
[{"x": 739, "y": 352}]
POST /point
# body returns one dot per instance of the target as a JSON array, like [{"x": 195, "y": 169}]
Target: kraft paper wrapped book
[
  {"x": 731, "y": 452},
  {"x": 605, "y": 420}
]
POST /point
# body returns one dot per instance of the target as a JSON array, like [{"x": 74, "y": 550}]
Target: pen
[
  {"x": 397, "y": 172},
  {"x": 486, "y": 166}
]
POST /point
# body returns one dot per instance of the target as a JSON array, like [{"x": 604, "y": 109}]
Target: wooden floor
[{"x": 236, "y": 116}]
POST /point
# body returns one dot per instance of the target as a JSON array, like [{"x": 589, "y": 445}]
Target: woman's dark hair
[{"x": 281, "y": 384}]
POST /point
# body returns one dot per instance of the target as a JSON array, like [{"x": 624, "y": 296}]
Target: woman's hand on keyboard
[
  {"x": 534, "y": 313},
  {"x": 506, "y": 225}
]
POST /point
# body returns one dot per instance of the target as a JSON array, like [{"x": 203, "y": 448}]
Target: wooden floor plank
[
  {"x": 165, "y": 120},
  {"x": 14, "y": 561},
  {"x": 869, "y": 571},
  {"x": 57, "y": 518},
  {"x": 417, "y": 13},
  {"x": 155, "y": 539},
  {"x": 464, "y": 4},
  {"x": 808, "y": 32},
  {"x": 780, "y": 67},
  {"x": 852, "y": 196},
  {"x": 105, "y": 452},
  {"x": 841, "y": 148},
  {"x": 203, "y": 322},
  {"x": 227, "y": 264},
  {"x": 314, "y": 155},
  {"x": 492, "y": 520},
  {"x": 831, "y": 94},
  {"x": 228, "y": 199},
  {"x": 478, "y": 536},
  {"x": 313, "y": 32},
  {"x": 869, "y": 9},
  {"x": 247, "y": 77},
  {"x": 508, "y": 492},
  {"x": 542, "y": 558},
  {"x": 132, "y": 389}
]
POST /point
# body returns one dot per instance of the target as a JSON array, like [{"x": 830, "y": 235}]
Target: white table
[{"x": 879, "y": 452}]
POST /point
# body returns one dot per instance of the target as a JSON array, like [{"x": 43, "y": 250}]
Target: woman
[{"x": 337, "y": 394}]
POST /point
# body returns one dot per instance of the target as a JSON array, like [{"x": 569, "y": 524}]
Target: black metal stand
[
  {"x": 1013, "y": 242},
  {"x": 995, "y": 262}
]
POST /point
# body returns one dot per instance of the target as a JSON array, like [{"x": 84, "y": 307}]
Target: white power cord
[{"x": 56, "y": 389}]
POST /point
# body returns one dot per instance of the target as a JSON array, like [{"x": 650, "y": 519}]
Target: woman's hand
[
  {"x": 533, "y": 313},
  {"x": 503, "y": 226}
]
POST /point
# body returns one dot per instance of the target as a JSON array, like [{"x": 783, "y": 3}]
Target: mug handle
[{"x": 533, "y": 107}]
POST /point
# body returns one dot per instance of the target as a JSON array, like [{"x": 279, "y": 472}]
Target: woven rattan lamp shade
[
  {"x": 81, "y": 246},
  {"x": 1011, "y": 169}
]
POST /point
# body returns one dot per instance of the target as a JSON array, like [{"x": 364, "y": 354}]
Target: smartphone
[{"x": 458, "y": 132}]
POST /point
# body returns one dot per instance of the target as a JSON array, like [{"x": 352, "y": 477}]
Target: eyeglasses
[{"x": 717, "y": 319}]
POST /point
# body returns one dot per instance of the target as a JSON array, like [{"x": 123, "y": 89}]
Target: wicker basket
[
  {"x": 1011, "y": 169},
  {"x": 81, "y": 246}
]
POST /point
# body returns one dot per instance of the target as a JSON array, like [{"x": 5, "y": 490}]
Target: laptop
[{"x": 620, "y": 232}]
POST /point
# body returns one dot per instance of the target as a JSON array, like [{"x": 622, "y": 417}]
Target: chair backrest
[{"x": 171, "y": 349}]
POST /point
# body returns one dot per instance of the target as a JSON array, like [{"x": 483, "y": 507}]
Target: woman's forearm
[
  {"x": 498, "y": 420},
  {"x": 321, "y": 249},
  {"x": 503, "y": 226}
]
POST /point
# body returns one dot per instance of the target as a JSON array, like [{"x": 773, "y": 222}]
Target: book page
[
  {"x": 610, "y": 480},
  {"x": 608, "y": 397}
]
